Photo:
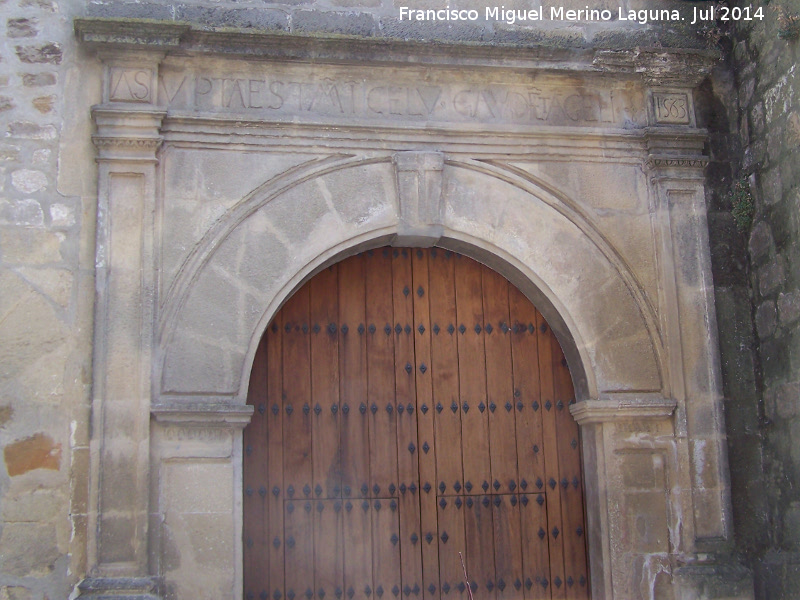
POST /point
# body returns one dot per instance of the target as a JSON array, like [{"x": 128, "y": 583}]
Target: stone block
[
  {"x": 6, "y": 103},
  {"x": 15, "y": 592},
  {"x": 21, "y": 213},
  {"x": 44, "y": 104},
  {"x": 771, "y": 277},
  {"x": 788, "y": 307},
  {"x": 28, "y": 181},
  {"x": 356, "y": 3},
  {"x": 50, "y": 53},
  {"x": 452, "y": 31},
  {"x": 766, "y": 319},
  {"x": 56, "y": 284},
  {"x": 48, "y": 5},
  {"x": 198, "y": 487},
  {"x": 263, "y": 19},
  {"x": 6, "y": 412},
  {"x": 116, "y": 537},
  {"x": 761, "y": 243},
  {"x": 22, "y": 28},
  {"x": 37, "y": 505},
  {"x": 646, "y": 522},
  {"x": 38, "y": 451},
  {"x": 28, "y": 549},
  {"x": 783, "y": 401},
  {"x": 771, "y": 187},
  {"x": 26, "y": 246},
  {"x": 314, "y": 21},
  {"x": 38, "y": 79},
  {"x": 31, "y": 131}
]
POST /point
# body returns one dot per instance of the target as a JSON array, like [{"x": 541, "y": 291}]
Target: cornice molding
[
  {"x": 656, "y": 66},
  {"x": 102, "y": 142},
  {"x": 661, "y": 162}
]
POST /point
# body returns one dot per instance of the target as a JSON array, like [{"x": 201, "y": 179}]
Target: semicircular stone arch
[{"x": 265, "y": 250}]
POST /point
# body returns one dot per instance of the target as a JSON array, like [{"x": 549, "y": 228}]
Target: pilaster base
[{"x": 119, "y": 588}]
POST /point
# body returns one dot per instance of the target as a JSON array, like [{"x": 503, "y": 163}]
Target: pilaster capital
[
  {"x": 201, "y": 413},
  {"x": 622, "y": 407},
  {"x": 127, "y": 133}
]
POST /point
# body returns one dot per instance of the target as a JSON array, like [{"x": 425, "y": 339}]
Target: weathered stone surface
[
  {"x": 783, "y": 401},
  {"x": 31, "y": 247},
  {"x": 38, "y": 79},
  {"x": 331, "y": 22},
  {"x": 789, "y": 307},
  {"x": 770, "y": 277},
  {"x": 23, "y": 213},
  {"x": 28, "y": 130},
  {"x": 22, "y": 28},
  {"x": 36, "y": 452},
  {"x": 766, "y": 319},
  {"x": 28, "y": 181},
  {"x": 44, "y": 104},
  {"x": 50, "y": 53},
  {"x": 760, "y": 240}
]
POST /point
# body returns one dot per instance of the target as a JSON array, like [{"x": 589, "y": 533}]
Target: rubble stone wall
[{"x": 755, "y": 144}]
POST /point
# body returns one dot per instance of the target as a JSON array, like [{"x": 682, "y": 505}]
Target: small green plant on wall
[{"x": 743, "y": 207}]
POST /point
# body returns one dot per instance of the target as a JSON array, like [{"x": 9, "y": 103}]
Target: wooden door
[{"x": 411, "y": 407}]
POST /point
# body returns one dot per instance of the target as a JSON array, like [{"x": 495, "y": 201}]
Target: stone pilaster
[
  {"x": 127, "y": 139},
  {"x": 196, "y": 498},
  {"x": 703, "y": 527},
  {"x": 629, "y": 470}
]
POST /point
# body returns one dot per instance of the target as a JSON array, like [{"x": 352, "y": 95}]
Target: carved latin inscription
[
  {"x": 671, "y": 109},
  {"x": 129, "y": 85},
  {"x": 281, "y": 95}
]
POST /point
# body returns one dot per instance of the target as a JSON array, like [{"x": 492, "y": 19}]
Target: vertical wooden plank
[
  {"x": 535, "y": 546},
  {"x": 525, "y": 360},
  {"x": 380, "y": 375},
  {"x": 275, "y": 489},
  {"x": 552, "y": 487},
  {"x": 423, "y": 492},
  {"x": 324, "y": 317},
  {"x": 354, "y": 428},
  {"x": 530, "y": 443},
  {"x": 299, "y": 549},
  {"x": 326, "y": 457},
  {"x": 507, "y": 547},
  {"x": 499, "y": 383},
  {"x": 407, "y": 413},
  {"x": 569, "y": 463},
  {"x": 357, "y": 520},
  {"x": 328, "y": 555},
  {"x": 452, "y": 540},
  {"x": 479, "y": 555},
  {"x": 472, "y": 379},
  {"x": 256, "y": 462},
  {"x": 297, "y": 396},
  {"x": 386, "y": 549},
  {"x": 382, "y": 422},
  {"x": 447, "y": 422}
]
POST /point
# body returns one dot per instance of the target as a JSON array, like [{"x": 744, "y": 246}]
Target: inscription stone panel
[{"x": 394, "y": 95}]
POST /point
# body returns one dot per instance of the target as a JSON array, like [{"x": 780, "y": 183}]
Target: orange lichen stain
[
  {"x": 5, "y": 414},
  {"x": 36, "y": 452}
]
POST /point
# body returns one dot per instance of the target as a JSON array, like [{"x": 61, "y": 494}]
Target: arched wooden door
[{"x": 411, "y": 405}]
